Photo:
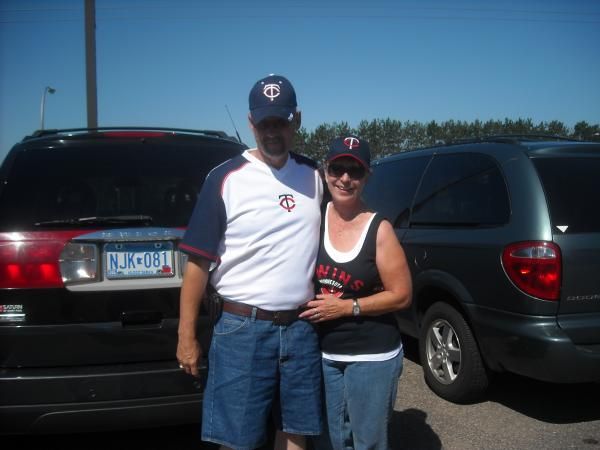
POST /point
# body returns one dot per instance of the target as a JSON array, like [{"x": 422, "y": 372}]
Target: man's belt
[{"x": 284, "y": 317}]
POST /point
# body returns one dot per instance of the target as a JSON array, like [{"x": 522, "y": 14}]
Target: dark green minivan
[{"x": 502, "y": 235}]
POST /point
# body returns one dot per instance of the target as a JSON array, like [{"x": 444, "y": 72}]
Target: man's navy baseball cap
[
  {"x": 350, "y": 146},
  {"x": 273, "y": 96}
]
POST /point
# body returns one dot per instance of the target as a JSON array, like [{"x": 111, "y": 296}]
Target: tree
[
  {"x": 586, "y": 132},
  {"x": 388, "y": 136}
]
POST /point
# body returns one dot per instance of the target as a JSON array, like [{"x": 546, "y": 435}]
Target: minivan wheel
[{"x": 451, "y": 361}]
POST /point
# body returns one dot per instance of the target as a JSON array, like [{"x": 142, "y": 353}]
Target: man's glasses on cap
[{"x": 354, "y": 171}]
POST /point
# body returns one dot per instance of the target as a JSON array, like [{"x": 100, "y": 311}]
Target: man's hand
[{"x": 189, "y": 355}]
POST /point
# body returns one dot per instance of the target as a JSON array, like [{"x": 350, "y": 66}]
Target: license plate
[{"x": 139, "y": 260}]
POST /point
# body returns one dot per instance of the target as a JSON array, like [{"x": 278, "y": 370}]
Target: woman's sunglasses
[{"x": 356, "y": 172}]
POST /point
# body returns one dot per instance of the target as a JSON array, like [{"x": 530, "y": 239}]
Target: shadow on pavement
[
  {"x": 409, "y": 430},
  {"x": 547, "y": 402}
]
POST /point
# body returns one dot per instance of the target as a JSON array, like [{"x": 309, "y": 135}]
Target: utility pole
[{"x": 90, "y": 63}]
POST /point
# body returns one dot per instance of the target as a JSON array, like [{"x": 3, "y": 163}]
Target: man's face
[{"x": 274, "y": 136}]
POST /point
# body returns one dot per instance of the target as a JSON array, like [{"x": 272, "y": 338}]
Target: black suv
[
  {"x": 90, "y": 221},
  {"x": 502, "y": 235}
]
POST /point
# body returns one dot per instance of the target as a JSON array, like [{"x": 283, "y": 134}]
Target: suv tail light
[
  {"x": 35, "y": 260},
  {"x": 79, "y": 263},
  {"x": 183, "y": 259},
  {"x": 534, "y": 267},
  {"x": 30, "y": 264}
]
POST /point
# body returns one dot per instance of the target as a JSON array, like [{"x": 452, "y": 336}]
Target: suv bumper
[
  {"x": 41, "y": 401},
  {"x": 533, "y": 346}
]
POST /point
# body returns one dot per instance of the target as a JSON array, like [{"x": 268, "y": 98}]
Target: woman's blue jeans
[{"x": 359, "y": 400}]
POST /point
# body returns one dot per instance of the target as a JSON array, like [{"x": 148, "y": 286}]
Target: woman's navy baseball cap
[
  {"x": 273, "y": 96},
  {"x": 350, "y": 146}
]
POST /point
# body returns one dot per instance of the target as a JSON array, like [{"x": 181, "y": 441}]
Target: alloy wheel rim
[{"x": 443, "y": 351}]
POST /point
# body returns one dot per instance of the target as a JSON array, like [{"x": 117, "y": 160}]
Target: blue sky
[{"x": 178, "y": 63}]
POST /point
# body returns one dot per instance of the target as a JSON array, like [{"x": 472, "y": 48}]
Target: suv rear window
[
  {"x": 54, "y": 184},
  {"x": 572, "y": 187}
]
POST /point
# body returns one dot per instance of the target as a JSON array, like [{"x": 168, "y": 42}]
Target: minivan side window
[
  {"x": 461, "y": 190},
  {"x": 392, "y": 186}
]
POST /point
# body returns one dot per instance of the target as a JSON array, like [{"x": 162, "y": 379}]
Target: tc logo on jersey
[{"x": 287, "y": 202}]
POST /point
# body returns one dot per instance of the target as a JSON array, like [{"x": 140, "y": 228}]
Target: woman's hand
[{"x": 326, "y": 307}]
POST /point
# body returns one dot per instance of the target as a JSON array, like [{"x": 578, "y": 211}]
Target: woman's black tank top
[{"x": 350, "y": 276}]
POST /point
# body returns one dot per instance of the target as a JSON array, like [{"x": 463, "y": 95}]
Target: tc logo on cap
[
  {"x": 273, "y": 96},
  {"x": 271, "y": 91},
  {"x": 351, "y": 143}
]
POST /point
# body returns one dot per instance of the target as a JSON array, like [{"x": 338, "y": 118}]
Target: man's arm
[{"x": 194, "y": 283}]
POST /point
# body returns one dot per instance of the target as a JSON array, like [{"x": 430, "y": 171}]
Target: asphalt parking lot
[{"x": 517, "y": 414}]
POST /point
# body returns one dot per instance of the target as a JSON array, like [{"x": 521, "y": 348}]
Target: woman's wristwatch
[{"x": 355, "y": 307}]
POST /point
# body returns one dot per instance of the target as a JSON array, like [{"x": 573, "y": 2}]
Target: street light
[{"x": 49, "y": 90}]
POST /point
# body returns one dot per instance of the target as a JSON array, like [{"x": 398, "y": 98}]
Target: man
[{"x": 254, "y": 237}]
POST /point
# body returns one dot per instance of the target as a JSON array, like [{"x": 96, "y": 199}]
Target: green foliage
[
  {"x": 388, "y": 136},
  {"x": 586, "y": 132}
]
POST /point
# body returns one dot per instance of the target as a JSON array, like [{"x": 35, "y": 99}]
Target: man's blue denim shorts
[{"x": 256, "y": 368}]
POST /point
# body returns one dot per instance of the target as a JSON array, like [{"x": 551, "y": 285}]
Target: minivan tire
[{"x": 452, "y": 365}]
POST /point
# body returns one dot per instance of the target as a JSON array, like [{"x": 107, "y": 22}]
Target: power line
[
  {"x": 325, "y": 7},
  {"x": 321, "y": 13},
  {"x": 387, "y": 17}
]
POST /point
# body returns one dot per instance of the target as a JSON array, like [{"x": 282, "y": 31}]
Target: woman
[{"x": 362, "y": 277}]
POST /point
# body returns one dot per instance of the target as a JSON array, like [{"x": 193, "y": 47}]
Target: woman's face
[{"x": 345, "y": 178}]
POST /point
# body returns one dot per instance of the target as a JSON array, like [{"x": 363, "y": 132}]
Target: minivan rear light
[
  {"x": 30, "y": 264},
  {"x": 534, "y": 267}
]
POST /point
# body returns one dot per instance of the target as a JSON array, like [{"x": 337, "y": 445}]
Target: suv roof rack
[
  {"x": 511, "y": 138},
  {"x": 48, "y": 132}
]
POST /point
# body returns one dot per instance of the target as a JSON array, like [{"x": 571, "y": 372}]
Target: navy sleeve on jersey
[{"x": 207, "y": 223}]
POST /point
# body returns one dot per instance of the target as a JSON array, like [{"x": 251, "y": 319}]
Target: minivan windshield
[{"x": 572, "y": 187}]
